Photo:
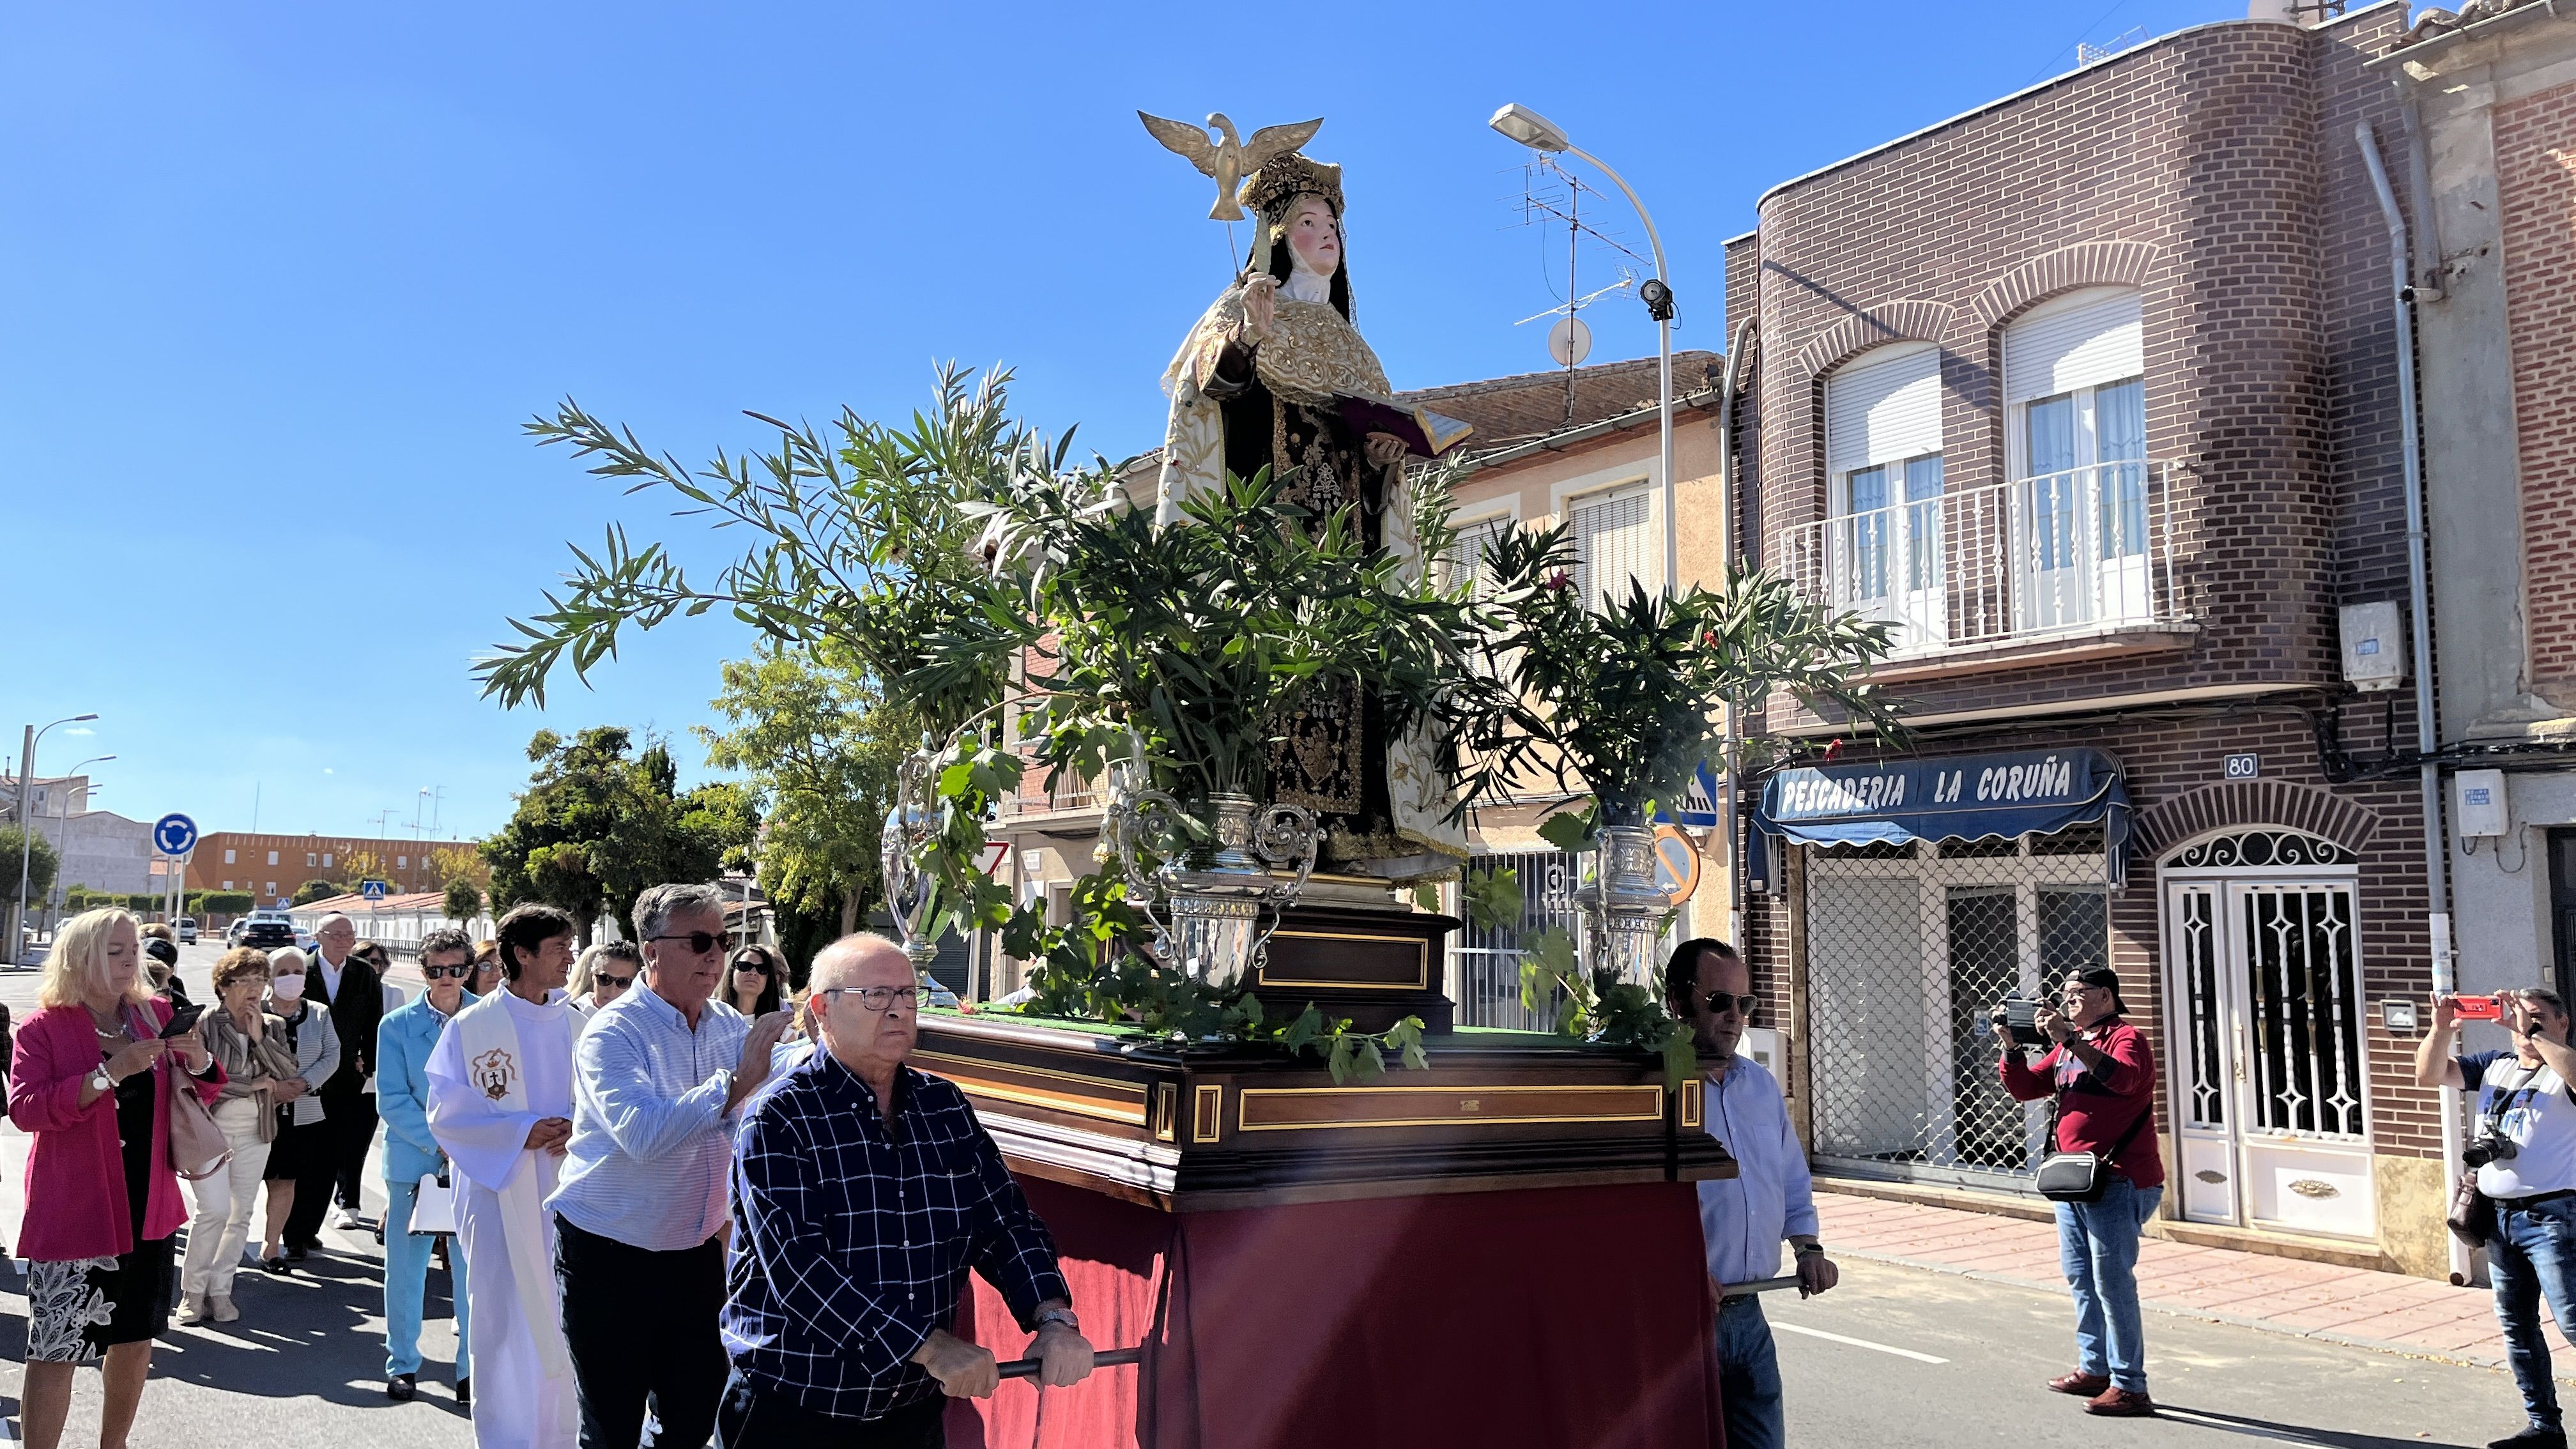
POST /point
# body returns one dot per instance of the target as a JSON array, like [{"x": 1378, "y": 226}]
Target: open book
[{"x": 1427, "y": 433}]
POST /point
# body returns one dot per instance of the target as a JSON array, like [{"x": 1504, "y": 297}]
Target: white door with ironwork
[{"x": 2269, "y": 1073}]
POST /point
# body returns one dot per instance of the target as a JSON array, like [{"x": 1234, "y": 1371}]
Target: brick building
[
  {"x": 2090, "y": 395},
  {"x": 273, "y": 866},
  {"x": 2495, "y": 274}
]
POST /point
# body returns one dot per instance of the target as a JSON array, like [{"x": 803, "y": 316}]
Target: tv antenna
[{"x": 1551, "y": 196}]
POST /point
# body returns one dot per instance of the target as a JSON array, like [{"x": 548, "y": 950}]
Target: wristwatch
[
  {"x": 1064, "y": 1316},
  {"x": 1805, "y": 1248},
  {"x": 101, "y": 1080}
]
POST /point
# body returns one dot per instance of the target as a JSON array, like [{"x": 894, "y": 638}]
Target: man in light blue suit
[{"x": 403, "y": 1045}]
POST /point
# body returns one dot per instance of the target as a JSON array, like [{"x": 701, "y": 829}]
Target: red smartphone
[{"x": 2478, "y": 1008}]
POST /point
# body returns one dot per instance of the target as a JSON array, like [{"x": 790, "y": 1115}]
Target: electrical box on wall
[
  {"x": 1763, "y": 1044},
  {"x": 2478, "y": 804},
  {"x": 2374, "y": 645}
]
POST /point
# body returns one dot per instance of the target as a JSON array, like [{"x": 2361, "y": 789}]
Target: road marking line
[{"x": 1857, "y": 1342}]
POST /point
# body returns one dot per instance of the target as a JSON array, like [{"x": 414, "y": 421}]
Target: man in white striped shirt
[{"x": 640, "y": 1212}]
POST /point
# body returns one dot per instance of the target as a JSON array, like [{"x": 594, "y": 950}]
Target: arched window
[
  {"x": 1883, "y": 463},
  {"x": 2075, "y": 421},
  {"x": 2260, "y": 849}
]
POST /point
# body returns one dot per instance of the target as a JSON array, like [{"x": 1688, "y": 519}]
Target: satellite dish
[{"x": 1569, "y": 342}]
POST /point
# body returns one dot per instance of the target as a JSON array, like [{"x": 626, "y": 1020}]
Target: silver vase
[
  {"x": 1624, "y": 910},
  {"x": 911, "y": 827},
  {"x": 1208, "y": 903}
]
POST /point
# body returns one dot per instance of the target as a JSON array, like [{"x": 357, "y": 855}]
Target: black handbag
[{"x": 2083, "y": 1176}]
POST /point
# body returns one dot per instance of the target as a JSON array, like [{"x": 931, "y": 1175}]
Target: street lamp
[
  {"x": 63, "y": 843},
  {"x": 1544, "y": 136},
  {"x": 26, "y": 829}
]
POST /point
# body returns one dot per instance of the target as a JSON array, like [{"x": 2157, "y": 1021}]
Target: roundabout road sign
[{"x": 174, "y": 834}]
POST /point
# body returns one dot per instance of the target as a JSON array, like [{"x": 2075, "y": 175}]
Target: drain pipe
[
  {"x": 1730, "y": 820},
  {"x": 2437, "y": 893}
]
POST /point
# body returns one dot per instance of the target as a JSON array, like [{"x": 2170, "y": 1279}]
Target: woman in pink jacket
[{"x": 90, "y": 1078}]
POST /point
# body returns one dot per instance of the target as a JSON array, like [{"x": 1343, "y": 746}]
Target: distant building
[{"x": 274, "y": 866}]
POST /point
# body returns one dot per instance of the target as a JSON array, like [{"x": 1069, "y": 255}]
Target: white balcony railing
[{"x": 2060, "y": 553}]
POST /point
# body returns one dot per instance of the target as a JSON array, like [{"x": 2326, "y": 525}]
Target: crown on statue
[{"x": 1285, "y": 178}]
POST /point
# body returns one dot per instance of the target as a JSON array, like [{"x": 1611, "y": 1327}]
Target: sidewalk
[{"x": 2387, "y": 1311}]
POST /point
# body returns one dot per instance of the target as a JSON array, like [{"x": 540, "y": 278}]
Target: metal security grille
[
  {"x": 1908, "y": 947},
  {"x": 1485, "y": 962}
]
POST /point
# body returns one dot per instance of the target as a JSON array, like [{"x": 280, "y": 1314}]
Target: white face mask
[{"x": 287, "y": 988}]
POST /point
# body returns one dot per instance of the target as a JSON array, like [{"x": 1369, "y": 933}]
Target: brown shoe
[
  {"x": 2082, "y": 1385},
  {"x": 2121, "y": 1404}
]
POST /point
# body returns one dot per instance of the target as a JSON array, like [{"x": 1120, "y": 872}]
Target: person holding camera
[
  {"x": 2525, "y": 1156},
  {"x": 2101, "y": 1071}
]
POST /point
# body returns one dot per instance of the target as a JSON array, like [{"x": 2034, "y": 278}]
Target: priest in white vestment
[{"x": 500, "y": 1105}]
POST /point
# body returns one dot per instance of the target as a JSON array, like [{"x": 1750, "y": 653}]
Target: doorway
[{"x": 2269, "y": 1076}]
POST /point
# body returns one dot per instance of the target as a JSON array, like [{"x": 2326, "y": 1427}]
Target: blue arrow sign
[{"x": 174, "y": 834}]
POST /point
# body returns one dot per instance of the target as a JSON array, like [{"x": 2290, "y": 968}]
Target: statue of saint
[{"x": 1275, "y": 376}]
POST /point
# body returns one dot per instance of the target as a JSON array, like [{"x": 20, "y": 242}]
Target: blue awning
[{"x": 1961, "y": 797}]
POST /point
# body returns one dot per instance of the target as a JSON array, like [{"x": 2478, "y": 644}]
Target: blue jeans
[
  {"x": 2097, "y": 1247},
  {"x": 1748, "y": 1375},
  {"x": 407, "y": 1281},
  {"x": 2533, "y": 1255}
]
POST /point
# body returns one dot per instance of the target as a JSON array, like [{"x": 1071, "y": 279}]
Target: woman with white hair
[
  {"x": 299, "y": 1153},
  {"x": 91, "y": 1078}
]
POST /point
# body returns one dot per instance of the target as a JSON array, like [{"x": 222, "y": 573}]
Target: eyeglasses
[
  {"x": 699, "y": 941},
  {"x": 1719, "y": 1001},
  {"x": 756, "y": 967},
  {"x": 460, "y": 971},
  {"x": 613, "y": 983},
  {"x": 878, "y": 998}
]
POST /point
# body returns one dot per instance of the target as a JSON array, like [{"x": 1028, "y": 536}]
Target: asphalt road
[
  {"x": 1997, "y": 1346},
  {"x": 1895, "y": 1357},
  {"x": 304, "y": 1368}
]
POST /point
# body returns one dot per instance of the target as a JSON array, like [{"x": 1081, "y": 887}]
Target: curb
[{"x": 2322, "y": 1335}]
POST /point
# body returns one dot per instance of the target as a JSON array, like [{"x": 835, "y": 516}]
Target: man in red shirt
[{"x": 2103, "y": 1075}]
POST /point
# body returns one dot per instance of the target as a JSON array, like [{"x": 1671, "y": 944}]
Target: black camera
[
  {"x": 2489, "y": 1149},
  {"x": 2018, "y": 1018}
]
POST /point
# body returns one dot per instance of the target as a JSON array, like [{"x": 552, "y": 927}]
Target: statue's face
[{"x": 1314, "y": 234}]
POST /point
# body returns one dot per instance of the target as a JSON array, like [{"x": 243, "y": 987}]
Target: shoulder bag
[
  {"x": 197, "y": 1147},
  {"x": 2083, "y": 1176}
]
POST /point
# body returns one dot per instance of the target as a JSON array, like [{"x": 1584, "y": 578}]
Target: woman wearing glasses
[
  {"x": 604, "y": 973},
  {"x": 755, "y": 982}
]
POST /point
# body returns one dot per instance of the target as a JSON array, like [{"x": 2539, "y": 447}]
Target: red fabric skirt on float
[{"x": 1573, "y": 1317}]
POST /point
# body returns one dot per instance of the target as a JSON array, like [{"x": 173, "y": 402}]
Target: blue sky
[{"x": 278, "y": 284}]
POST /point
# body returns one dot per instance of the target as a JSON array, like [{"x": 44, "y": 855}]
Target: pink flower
[{"x": 1559, "y": 580}]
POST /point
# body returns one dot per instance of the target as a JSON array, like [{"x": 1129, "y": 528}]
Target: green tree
[
  {"x": 600, "y": 822},
  {"x": 317, "y": 890},
  {"x": 821, "y": 744},
  {"x": 42, "y": 862},
  {"x": 464, "y": 901}
]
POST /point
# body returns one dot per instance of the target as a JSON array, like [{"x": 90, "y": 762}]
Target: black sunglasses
[
  {"x": 752, "y": 963},
  {"x": 1719, "y": 1001},
  {"x": 699, "y": 941},
  {"x": 619, "y": 983},
  {"x": 460, "y": 971}
]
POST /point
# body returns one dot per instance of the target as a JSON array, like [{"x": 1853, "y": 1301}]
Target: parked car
[
  {"x": 233, "y": 932},
  {"x": 187, "y": 930},
  {"x": 267, "y": 930}
]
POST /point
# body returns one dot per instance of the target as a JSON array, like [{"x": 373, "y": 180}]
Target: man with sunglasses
[
  {"x": 2102, "y": 1073},
  {"x": 408, "y": 1034},
  {"x": 640, "y": 1212},
  {"x": 1743, "y": 1220}
]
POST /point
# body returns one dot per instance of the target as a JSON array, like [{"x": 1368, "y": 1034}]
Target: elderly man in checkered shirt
[{"x": 863, "y": 1191}]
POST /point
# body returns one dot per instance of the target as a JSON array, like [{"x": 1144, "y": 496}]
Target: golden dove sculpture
[{"x": 1229, "y": 158}]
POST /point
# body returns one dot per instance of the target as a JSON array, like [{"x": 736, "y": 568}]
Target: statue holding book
[{"x": 1276, "y": 376}]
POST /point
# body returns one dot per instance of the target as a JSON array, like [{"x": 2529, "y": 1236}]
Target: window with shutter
[
  {"x": 2076, "y": 444},
  {"x": 1615, "y": 544},
  {"x": 1883, "y": 457},
  {"x": 1467, "y": 562}
]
